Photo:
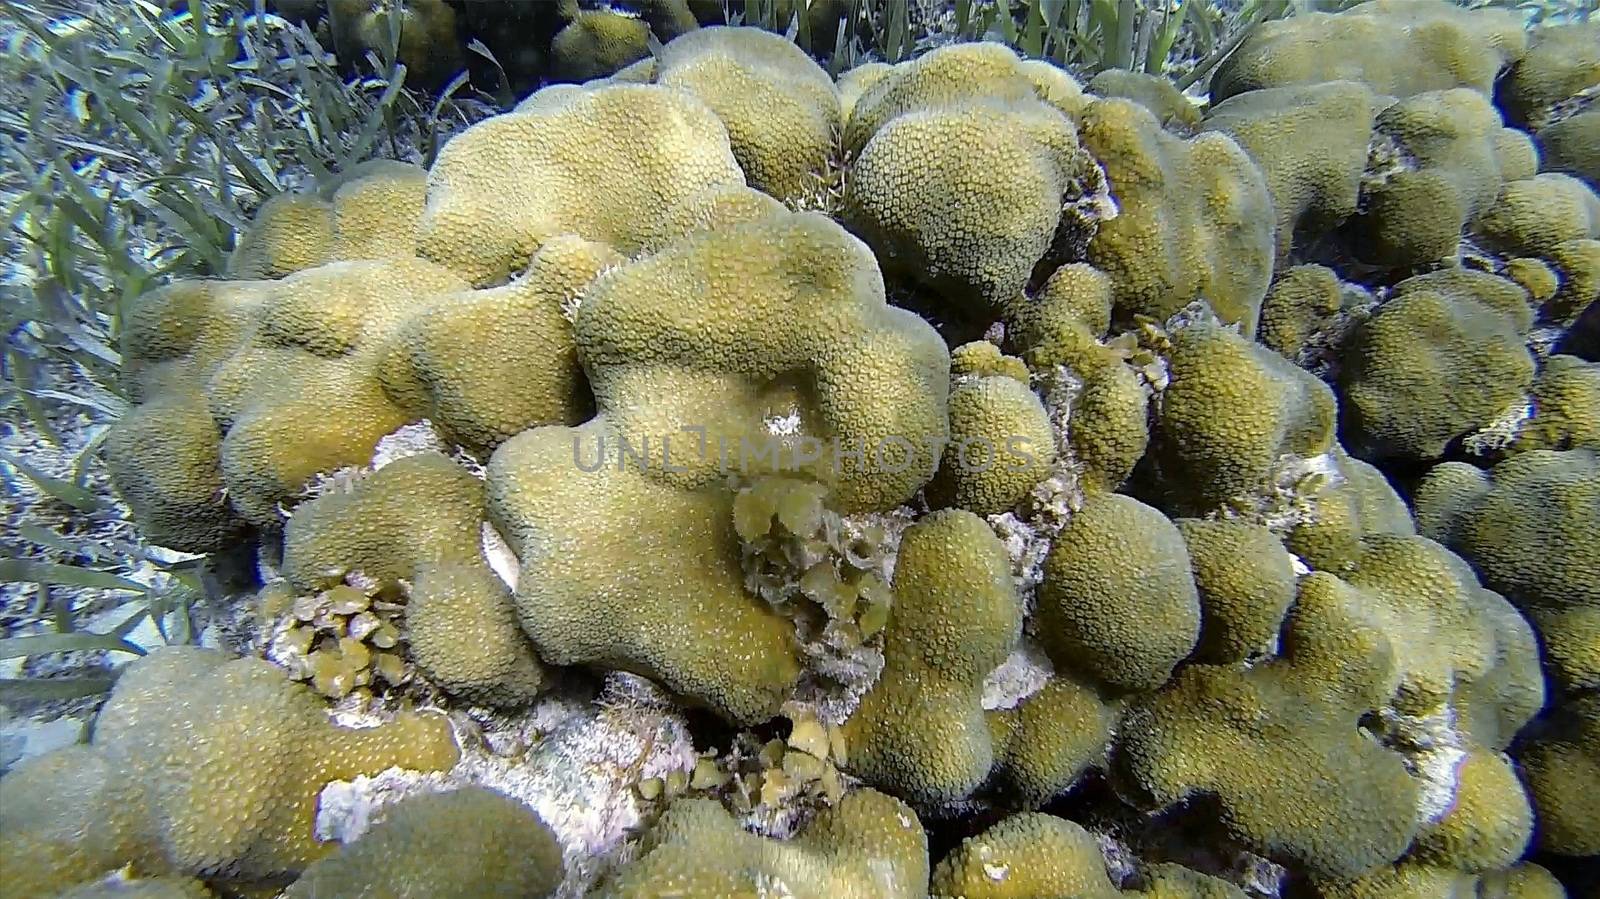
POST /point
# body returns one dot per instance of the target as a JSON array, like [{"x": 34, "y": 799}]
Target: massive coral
[
  {"x": 911, "y": 430},
  {"x": 1400, "y": 47},
  {"x": 201, "y": 764}
]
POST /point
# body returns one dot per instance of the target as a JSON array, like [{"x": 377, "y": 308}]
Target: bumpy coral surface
[
  {"x": 1559, "y": 764},
  {"x": 1118, "y": 603},
  {"x": 420, "y": 520},
  {"x": 1231, "y": 411},
  {"x": 1153, "y": 92},
  {"x": 1253, "y": 738},
  {"x": 1303, "y": 304},
  {"x": 1311, "y": 143},
  {"x": 947, "y": 430},
  {"x": 920, "y": 731},
  {"x": 870, "y": 378},
  {"x": 1400, "y": 47},
  {"x": 945, "y": 219},
  {"x": 1000, "y": 445},
  {"x": 465, "y": 843},
  {"x": 780, "y": 108},
  {"x": 1024, "y": 856},
  {"x": 1246, "y": 582},
  {"x": 369, "y": 212},
  {"x": 1444, "y": 358},
  {"x": 1194, "y": 220},
  {"x": 1437, "y": 162},
  {"x": 869, "y": 846},
  {"x": 428, "y": 45},
  {"x": 608, "y": 165},
  {"x": 1551, "y": 91},
  {"x": 1035, "y": 856},
  {"x": 1047, "y": 742},
  {"x": 1527, "y": 525},
  {"x": 203, "y": 765},
  {"x": 595, "y": 43}
]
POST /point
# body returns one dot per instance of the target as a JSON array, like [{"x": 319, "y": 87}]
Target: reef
[{"x": 963, "y": 482}]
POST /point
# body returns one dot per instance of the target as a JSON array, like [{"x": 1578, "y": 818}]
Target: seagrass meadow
[{"x": 823, "y": 449}]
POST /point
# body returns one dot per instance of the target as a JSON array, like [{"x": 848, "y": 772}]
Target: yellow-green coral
[
  {"x": 1566, "y": 407},
  {"x": 606, "y": 165},
  {"x": 1419, "y": 594},
  {"x": 1527, "y": 526},
  {"x": 1231, "y": 410},
  {"x": 60, "y": 824},
  {"x": 1277, "y": 744},
  {"x": 1569, "y": 145},
  {"x": 1194, "y": 218},
  {"x": 428, "y": 47},
  {"x": 1154, "y": 92},
  {"x": 417, "y": 510},
  {"x": 264, "y": 358},
  {"x": 464, "y": 635},
  {"x": 1107, "y": 427},
  {"x": 1025, "y": 856},
  {"x": 1072, "y": 292},
  {"x": 1577, "y": 265},
  {"x": 919, "y": 732},
  {"x": 803, "y": 348},
  {"x": 780, "y": 108},
  {"x": 1504, "y": 688},
  {"x": 206, "y": 359},
  {"x": 1562, "y": 60},
  {"x": 165, "y": 458},
  {"x": 1302, "y": 302},
  {"x": 1048, "y": 741},
  {"x": 978, "y": 73},
  {"x": 1000, "y": 445},
  {"x": 463, "y": 844},
  {"x": 1531, "y": 217},
  {"x": 942, "y": 218},
  {"x": 1551, "y": 91},
  {"x": 140, "y": 888},
  {"x": 1407, "y": 880},
  {"x": 1437, "y": 162},
  {"x": 1443, "y": 358},
  {"x": 419, "y": 520},
  {"x": 1311, "y": 143},
  {"x": 869, "y": 846},
  {"x": 1169, "y": 881},
  {"x": 1118, "y": 603},
  {"x": 1246, "y": 581},
  {"x": 855, "y": 83},
  {"x": 368, "y": 212},
  {"x": 1089, "y": 390},
  {"x": 1358, "y": 504},
  {"x": 1399, "y": 47},
  {"x": 1523, "y": 881},
  {"x": 710, "y": 334},
  {"x": 597, "y": 43},
  {"x": 1490, "y": 822},
  {"x": 1533, "y": 275},
  {"x": 484, "y": 365},
  {"x": 1562, "y": 764},
  {"x": 622, "y": 572},
  {"x": 1036, "y": 856},
  {"x": 217, "y": 763}
]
